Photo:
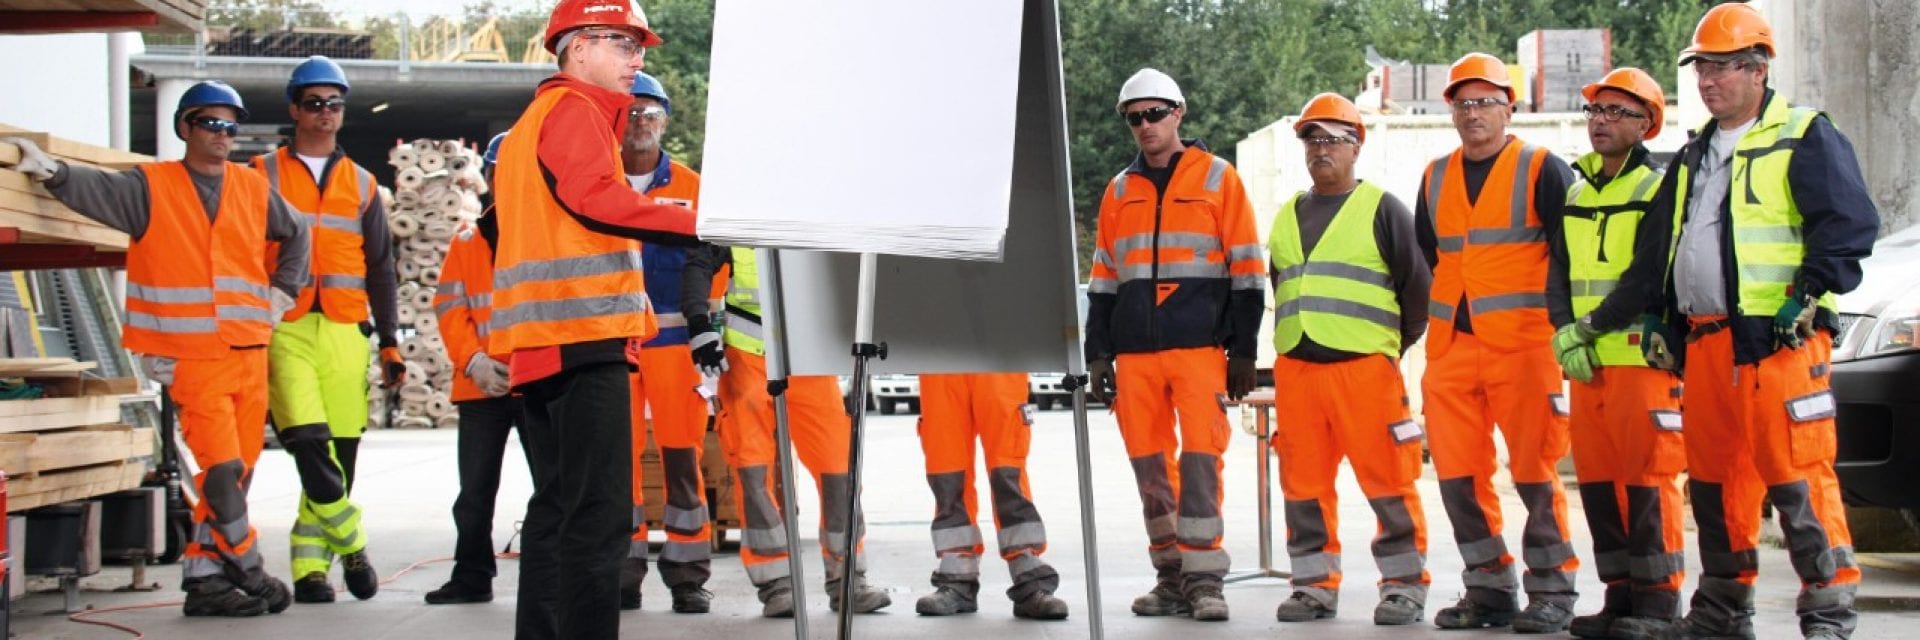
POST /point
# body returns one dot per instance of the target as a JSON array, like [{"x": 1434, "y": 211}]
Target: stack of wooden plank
[
  {"x": 35, "y": 215},
  {"x": 69, "y": 443}
]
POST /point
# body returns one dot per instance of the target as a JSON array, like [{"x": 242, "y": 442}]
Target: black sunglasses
[
  {"x": 317, "y": 105},
  {"x": 211, "y": 124},
  {"x": 1156, "y": 114}
]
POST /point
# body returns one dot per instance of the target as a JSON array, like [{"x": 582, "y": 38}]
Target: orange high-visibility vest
[
  {"x": 1493, "y": 250},
  {"x": 196, "y": 288},
  {"x": 464, "y": 302},
  {"x": 338, "y": 258},
  {"x": 556, "y": 282}
]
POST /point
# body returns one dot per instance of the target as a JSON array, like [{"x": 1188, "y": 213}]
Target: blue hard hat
[
  {"x": 316, "y": 70},
  {"x": 645, "y": 85},
  {"x": 493, "y": 149},
  {"x": 208, "y": 93}
]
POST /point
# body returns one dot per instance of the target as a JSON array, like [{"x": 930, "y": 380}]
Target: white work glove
[
  {"x": 282, "y": 303},
  {"x": 158, "y": 368},
  {"x": 708, "y": 353},
  {"x": 35, "y": 163},
  {"x": 489, "y": 374}
]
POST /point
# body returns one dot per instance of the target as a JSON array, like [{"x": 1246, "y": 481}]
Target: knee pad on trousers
[
  {"x": 311, "y": 446},
  {"x": 221, "y": 488}
]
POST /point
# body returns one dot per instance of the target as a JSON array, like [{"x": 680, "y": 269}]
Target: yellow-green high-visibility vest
[
  {"x": 743, "y": 328},
  {"x": 1600, "y": 225},
  {"x": 1342, "y": 294}
]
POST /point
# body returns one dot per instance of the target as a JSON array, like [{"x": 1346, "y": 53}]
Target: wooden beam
[{"x": 77, "y": 21}]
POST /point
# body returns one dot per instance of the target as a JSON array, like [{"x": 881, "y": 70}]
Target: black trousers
[
  {"x": 579, "y": 520},
  {"x": 484, "y": 427}
]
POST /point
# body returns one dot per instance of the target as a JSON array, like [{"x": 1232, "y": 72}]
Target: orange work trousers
[
  {"x": 1468, "y": 390},
  {"x": 821, "y": 433},
  {"x": 1356, "y": 410},
  {"x": 666, "y": 392},
  {"x": 222, "y": 403},
  {"x": 1758, "y": 432},
  {"x": 1628, "y": 453},
  {"x": 956, "y": 410},
  {"x": 1177, "y": 471}
]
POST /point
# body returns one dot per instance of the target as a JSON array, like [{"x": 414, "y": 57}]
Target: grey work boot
[
  {"x": 866, "y": 599},
  {"x": 1824, "y": 632},
  {"x": 776, "y": 599},
  {"x": 1208, "y": 604},
  {"x": 1637, "y": 628},
  {"x": 1467, "y": 614},
  {"x": 1596, "y": 626},
  {"x": 274, "y": 592},
  {"x": 219, "y": 598},
  {"x": 1163, "y": 600},
  {"x": 1301, "y": 607},
  {"x": 1543, "y": 616},
  {"x": 946, "y": 601},
  {"x": 1397, "y": 609},
  {"x": 1040, "y": 605}
]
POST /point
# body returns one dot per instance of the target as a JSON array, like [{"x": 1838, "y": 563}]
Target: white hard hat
[{"x": 1150, "y": 84}]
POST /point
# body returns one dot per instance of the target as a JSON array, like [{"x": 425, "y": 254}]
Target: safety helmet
[
  {"x": 645, "y": 85},
  {"x": 1480, "y": 67},
  {"x": 1730, "y": 27},
  {"x": 1150, "y": 84},
  {"x": 1331, "y": 107},
  {"x": 206, "y": 93},
  {"x": 1641, "y": 86},
  {"x": 610, "y": 14},
  {"x": 493, "y": 149},
  {"x": 316, "y": 70}
]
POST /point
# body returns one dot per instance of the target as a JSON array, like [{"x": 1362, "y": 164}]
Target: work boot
[
  {"x": 362, "y": 582},
  {"x": 1040, "y": 605},
  {"x": 1397, "y": 609},
  {"x": 1824, "y": 632},
  {"x": 776, "y": 599},
  {"x": 866, "y": 599},
  {"x": 947, "y": 601},
  {"x": 1597, "y": 626},
  {"x": 1163, "y": 600},
  {"x": 1467, "y": 614},
  {"x": 689, "y": 598},
  {"x": 313, "y": 588},
  {"x": 1208, "y": 604},
  {"x": 273, "y": 592},
  {"x": 1543, "y": 616},
  {"x": 1301, "y": 607},
  {"x": 630, "y": 598},
  {"x": 223, "y": 601},
  {"x": 457, "y": 592},
  {"x": 1636, "y": 628}
]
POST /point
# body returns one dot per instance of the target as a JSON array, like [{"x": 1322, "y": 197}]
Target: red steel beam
[{"x": 67, "y": 21}]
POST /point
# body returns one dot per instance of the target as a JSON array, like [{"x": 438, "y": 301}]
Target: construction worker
[
  {"x": 667, "y": 385},
  {"x": 819, "y": 427},
  {"x": 1350, "y": 295},
  {"x": 318, "y": 361},
  {"x": 488, "y": 413},
  {"x": 956, "y": 409},
  {"x": 1175, "y": 299},
  {"x": 1627, "y": 448},
  {"x": 1773, "y": 221},
  {"x": 569, "y": 296},
  {"x": 201, "y": 305},
  {"x": 1485, "y": 217}
]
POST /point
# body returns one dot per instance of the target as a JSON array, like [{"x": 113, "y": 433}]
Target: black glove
[
  {"x": 1100, "y": 380},
  {"x": 1241, "y": 377},
  {"x": 709, "y": 351}
]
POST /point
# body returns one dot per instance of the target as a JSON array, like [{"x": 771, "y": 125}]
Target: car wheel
[
  {"x": 886, "y": 407},
  {"x": 913, "y": 406},
  {"x": 1043, "y": 403}
]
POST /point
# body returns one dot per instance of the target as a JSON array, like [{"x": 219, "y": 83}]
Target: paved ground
[{"x": 408, "y": 484}]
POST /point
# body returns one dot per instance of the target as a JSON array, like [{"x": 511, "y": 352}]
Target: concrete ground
[{"x": 408, "y": 483}]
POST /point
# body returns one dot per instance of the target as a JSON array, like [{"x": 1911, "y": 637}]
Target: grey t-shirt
[{"x": 1700, "y": 281}]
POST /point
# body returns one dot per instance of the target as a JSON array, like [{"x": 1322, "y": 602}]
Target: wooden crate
[
  {"x": 719, "y": 481},
  {"x": 68, "y": 445}
]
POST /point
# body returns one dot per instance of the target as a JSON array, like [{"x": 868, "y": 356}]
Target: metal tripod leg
[{"x": 1264, "y": 451}]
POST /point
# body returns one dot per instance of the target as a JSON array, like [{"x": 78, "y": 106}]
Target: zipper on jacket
[
  {"x": 1153, "y": 317},
  {"x": 1602, "y": 235}
]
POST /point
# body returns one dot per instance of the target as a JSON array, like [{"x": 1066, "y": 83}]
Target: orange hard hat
[
  {"x": 1331, "y": 107},
  {"x": 609, "y": 14},
  {"x": 1481, "y": 67},
  {"x": 1730, "y": 27},
  {"x": 1641, "y": 86}
]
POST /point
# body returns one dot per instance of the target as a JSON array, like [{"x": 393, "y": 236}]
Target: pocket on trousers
[
  {"x": 1810, "y": 428},
  {"x": 1561, "y": 408},
  {"x": 1669, "y": 444},
  {"x": 1406, "y": 431}
]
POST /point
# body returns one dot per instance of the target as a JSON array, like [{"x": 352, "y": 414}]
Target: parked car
[
  {"x": 891, "y": 391},
  {"x": 1876, "y": 380}
]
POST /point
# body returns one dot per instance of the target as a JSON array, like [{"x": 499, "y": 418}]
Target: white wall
[{"x": 56, "y": 84}]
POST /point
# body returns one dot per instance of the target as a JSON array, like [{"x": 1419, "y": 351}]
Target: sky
[{"x": 417, "y": 9}]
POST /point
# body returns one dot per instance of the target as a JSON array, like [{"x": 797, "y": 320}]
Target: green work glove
[
  {"x": 1578, "y": 363},
  {"x": 1793, "y": 324},
  {"x": 1653, "y": 344},
  {"x": 1574, "y": 336}
]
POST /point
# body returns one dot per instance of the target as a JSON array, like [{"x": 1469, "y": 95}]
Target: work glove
[
  {"x": 1242, "y": 375},
  {"x": 280, "y": 302},
  {"x": 393, "y": 366},
  {"x": 1575, "y": 335},
  {"x": 1578, "y": 363},
  {"x": 1100, "y": 380},
  {"x": 158, "y": 368},
  {"x": 1653, "y": 344},
  {"x": 488, "y": 374},
  {"x": 709, "y": 354},
  {"x": 38, "y": 166},
  {"x": 1793, "y": 323}
]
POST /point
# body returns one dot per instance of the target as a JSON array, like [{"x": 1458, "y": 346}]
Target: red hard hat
[{"x": 609, "y": 14}]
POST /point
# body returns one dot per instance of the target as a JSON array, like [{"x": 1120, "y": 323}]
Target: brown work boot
[{"x": 1208, "y": 604}]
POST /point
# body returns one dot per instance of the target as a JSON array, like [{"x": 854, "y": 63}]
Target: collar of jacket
[
  {"x": 662, "y": 173},
  {"x": 1139, "y": 163},
  {"x": 1703, "y": 137},
  {"x": 1592, "y": 167},
  {"x": 611, "y": 104}
]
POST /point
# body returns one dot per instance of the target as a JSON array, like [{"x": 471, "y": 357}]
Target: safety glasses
[
  {"x": 1469, "y": 105},
  {"x": 211, "y": 124},
  {"x": 1153, "y": 115},
  {"x": 649, "y": 113},
  {"x": 1610, "y": 112},
  {"x": 1326, "y": 141},
  {"x": 623, "y": 43},
  {"x": 317, "y": 105}
]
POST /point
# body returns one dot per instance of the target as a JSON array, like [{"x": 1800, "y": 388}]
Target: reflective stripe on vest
[
  {"x": 743, "y": 330},
  {"x": 1341, "y": 294},
  {"x": 194, "y": 287},
  {"x": 336, "y": 213},
  {"x": 1600, "y": 226}
]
